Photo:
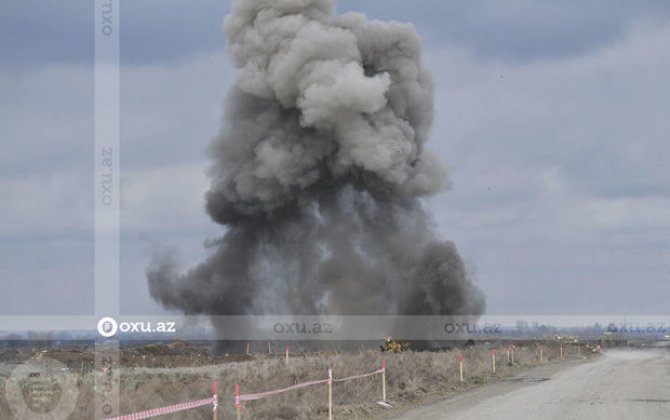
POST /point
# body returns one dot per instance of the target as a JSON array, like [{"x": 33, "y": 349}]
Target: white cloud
[
  {"x": 46, "y": 173},
  {"x": 165, "y": 198},
  {"x": 45, "y": 204},
  {"x": 561, "y": 175},
  {"x": 560, "y": 166},
  {"x": 617, "y": 213},
  {"x": 599, "y": 121},
  {"x": 46, "y": 124},
  {"x": 46, "y": 119},
  {"x": 169, "y": 114}
]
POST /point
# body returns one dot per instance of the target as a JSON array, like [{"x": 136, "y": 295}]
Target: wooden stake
[
  {"x": 286, "y": 353},
  {"x": 330, "y": 394},
  {"x": 215, "y": 399},
  {"x": 238, "y": 405},
  {"x": 541, "y": 353},
  {"x": 561, "y": 352},
  {"x": 269, "y": 348},
  {"x": 384, "y": 380},
  {"x": 247, "y": 347},
  {"x": 512, "y": 354},
  {"x": 493, "y": 356}
]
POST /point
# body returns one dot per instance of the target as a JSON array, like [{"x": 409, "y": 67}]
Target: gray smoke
[{"x": 318, "y": 174}]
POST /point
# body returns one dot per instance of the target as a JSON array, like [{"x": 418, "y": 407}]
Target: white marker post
[
  {"x": 238, "y": 404},
  {"x": 286, "y": 353},
  {"x": 330, "y": 394},
  {"x": 493, "y": 357},
  {"x": 460, "y": 365},
  {"x": 215, "y": 399},
  {"x": 384, "y": 380}
]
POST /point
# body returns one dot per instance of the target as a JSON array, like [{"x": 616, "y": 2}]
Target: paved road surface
[{"x": 624, "y": 384}]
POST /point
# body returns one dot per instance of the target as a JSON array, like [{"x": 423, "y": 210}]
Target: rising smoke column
[{"x": 318, "y": 174}]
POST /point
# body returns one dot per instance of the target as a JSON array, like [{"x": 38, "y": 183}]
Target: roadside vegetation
[{"x": 158, "y": 375}]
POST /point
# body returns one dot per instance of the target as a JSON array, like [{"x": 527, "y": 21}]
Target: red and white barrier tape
[
  {"x": 165, "y": 410},
  {"x": 364, "y": 375},
  {"x": 260, "y": 395}
]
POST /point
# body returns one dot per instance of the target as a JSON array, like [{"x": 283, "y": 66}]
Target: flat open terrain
[
  {"x": 625, "y": 384},
  {"x": 156, "y": 375}
]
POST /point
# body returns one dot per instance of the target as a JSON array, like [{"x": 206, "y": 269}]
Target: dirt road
[{"x": 624, "y": 384}]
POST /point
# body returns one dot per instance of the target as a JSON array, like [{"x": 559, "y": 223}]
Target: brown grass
[{"x": 412, "y": 378}]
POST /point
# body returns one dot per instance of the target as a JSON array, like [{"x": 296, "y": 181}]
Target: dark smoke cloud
[{"x": 318, "y": 174}]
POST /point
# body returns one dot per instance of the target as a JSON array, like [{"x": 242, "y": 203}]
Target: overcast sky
[{"x": 552, "y": 115}]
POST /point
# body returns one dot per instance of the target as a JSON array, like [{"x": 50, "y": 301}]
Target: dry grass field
[{"x": 157, "y": 375}]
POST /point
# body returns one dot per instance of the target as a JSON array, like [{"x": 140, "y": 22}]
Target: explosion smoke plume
[{"x": 318, "y": 174}]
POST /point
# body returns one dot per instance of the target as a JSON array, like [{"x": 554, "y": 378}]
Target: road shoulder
[{"x": 501, "y": 386}]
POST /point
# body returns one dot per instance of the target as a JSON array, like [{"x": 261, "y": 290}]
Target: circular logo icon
[
  {"x": 107, "y": 327},
  {"x": 41, "y": 388},
  {"x": 612, "y": 328}
]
